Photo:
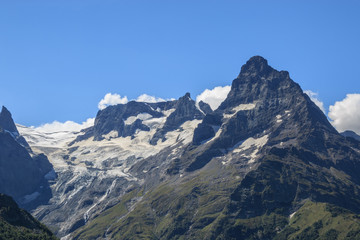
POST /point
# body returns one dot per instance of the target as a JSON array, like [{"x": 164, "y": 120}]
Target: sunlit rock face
[{"x": 178, "y": 169}]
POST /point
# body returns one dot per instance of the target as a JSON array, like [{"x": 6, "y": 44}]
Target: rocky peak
[
  {"x": 113, "y": 118},
  {"x": 256, "y": 65},
  {"x": 8, "y": 125},
  {"x": 6, "y": 121},
  {"x": 185, "y": 110},
  {"x": 258, "y": 81},
  {"x": 263, "y": 102},
  {"x": 205, "y": 107},
  {"x": 22, "y": 172}
]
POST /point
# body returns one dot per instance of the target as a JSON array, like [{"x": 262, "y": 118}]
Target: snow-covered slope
[
  {"x": 92, "y": 175},
  {"x": 41, "y": 139}
]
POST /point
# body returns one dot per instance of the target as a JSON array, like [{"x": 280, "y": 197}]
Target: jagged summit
[
  {"x": 184, "y": 110},
  {"x": 22, "y": 173},
  {"x": 6, "y": 121},
  {"x": 256, "y": 65},
  {"x": 262, "y": 102},
  {"x": 8, "y": 125},
  {"x": 254, "y": 161},
  {"x": 257, "y": 80},
  {"x": 252, "y": 164}
]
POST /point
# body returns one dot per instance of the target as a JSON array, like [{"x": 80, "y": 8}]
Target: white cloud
[
  {"x": 112, "y": 99},
  {"x": 345, "y": 114},
  {"x": 214, "y": 97},
  {"x": 149, "y": 99},
  {"x": 314, "y": 97},
  {"x": 68, "y": 126}
]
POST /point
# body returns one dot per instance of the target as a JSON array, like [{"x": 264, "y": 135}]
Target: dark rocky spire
[{"x": 6, "y": 121}]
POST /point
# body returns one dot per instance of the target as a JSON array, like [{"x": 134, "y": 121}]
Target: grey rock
[
  {"x": 205, "y": 107},
  {"x": 185, "y": 110},
  {"x": 21, "y": 172},
  {"x": 112, "y": 119},
  {"x": 8, "y": 125},
  {"x": 272, "y": 93}
]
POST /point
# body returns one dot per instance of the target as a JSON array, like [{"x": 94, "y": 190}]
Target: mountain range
[{"x": 266, "y": 164}]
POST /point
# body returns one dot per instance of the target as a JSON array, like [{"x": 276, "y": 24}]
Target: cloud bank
[
  {"x": 68, "y": 126},
  {"x": 314, "y": 97},
  {"x": 214, "y": 97},
  {"x": 149, "y": 99},
  {"x": 112, "y": 99},
  {"x": 345, "y": 114}
]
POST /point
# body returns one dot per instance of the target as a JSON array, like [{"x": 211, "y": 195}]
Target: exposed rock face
[
  {"x": 8, "y": 125},
  {"x": 185, "y": 110},
  {"x": 21, "y": 175},
  {"x": 6, "y": 121},
  {"x": 258, "y": 158},
  {"x": 124, "y": 120},
  {"x": 205, "y": 108},
  {"x": 175, "y": 170},
  {"x": 99, "y": 160},
  {"x": 113, "y": 118},
  {"x": 262, "y": 101}
]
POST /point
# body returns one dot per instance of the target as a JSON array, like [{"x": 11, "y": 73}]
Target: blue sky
[{"x": 59, "y": 58}]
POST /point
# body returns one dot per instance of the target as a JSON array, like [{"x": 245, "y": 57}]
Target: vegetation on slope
[
  {"x": 321, "y": 221},
  {"x": 216, "y": 203},
  {"x": 16, "y": 223}
]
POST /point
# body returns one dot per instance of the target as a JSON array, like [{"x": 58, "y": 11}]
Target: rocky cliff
[
  {"x": 23, "y": 175},
  {"x": 266, "y": 154}
]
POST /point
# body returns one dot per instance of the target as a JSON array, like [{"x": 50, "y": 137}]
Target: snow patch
[
  {"x": 54, "y": 135},
  {"x": 255, "y": 143},
  {"x": 154, "y": 123},
  {"x": 291, "y": 215},
  {"x": 110, "y": 135},
  {"x": 142, "y": 116},
  {"x": 241, "y": 107}
]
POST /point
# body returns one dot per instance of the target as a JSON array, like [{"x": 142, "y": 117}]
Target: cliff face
[
  {"x": 267, "y": 152},
  {"x": 22, "y": 173}
]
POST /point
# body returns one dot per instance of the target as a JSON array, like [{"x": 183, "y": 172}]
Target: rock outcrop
[{"x": 22, "y": 173}]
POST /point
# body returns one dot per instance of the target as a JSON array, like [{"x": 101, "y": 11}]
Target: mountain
[
  {"x": 94, "y": 168},
  {"x": 351, "y": 134},
  {"x": 266, "y": 164},
  {"x": 16, "y": 223},
  {"x": 8, "y": 125},
  {"x": 23, "y": 174}
]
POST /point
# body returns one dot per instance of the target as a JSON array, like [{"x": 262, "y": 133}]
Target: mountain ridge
[
  {"x": 273, "y": 148},
  {"x": 19, "y": 164},
  {"x": 178, "y": 169}
]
